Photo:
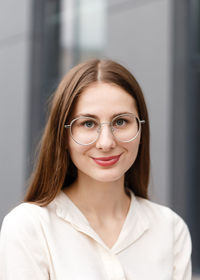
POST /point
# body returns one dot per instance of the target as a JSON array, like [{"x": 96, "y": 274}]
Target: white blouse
[{"x": 57, "y": 242}]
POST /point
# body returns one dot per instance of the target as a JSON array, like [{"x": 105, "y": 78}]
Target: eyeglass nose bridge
[{"x": 102, "y": 124}]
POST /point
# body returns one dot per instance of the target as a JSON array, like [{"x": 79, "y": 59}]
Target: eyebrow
[{"x": 96, "y": 117}]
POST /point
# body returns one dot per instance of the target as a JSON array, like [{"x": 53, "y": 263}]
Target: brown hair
[{"x": 54, "y": 169}]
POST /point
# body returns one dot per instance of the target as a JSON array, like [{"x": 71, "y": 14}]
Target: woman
[{"x": 86, "y": 213}]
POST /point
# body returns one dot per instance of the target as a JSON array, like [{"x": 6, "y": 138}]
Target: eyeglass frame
[{"x": 100, "y": 125}]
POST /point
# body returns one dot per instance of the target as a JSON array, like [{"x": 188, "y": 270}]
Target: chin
[
  {"x": 107, "y": 180},
  {"x": 108, "y": 177}
]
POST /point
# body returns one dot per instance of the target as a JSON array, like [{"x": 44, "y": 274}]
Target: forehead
[{"x": 104, "y": 99}]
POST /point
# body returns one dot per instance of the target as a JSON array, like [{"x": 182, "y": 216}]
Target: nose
[{"x": 106, "y": 140}]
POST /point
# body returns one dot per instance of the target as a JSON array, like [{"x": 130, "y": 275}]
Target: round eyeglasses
[{"x": 86, "y": 130}]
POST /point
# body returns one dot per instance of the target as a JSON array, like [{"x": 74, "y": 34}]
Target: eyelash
[
  {"x": 89, "y": 121},
  {"x": 124, "y": 121},
  {"x": 94, "y": 123}
]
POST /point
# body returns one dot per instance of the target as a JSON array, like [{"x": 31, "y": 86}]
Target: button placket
[{"x": 113, "y": 267}]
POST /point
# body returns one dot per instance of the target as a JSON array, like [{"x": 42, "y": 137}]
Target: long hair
[{"x": 54, "y": 169}]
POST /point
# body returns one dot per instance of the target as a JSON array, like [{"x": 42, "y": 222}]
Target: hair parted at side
[{"x": 54, "y": 169}]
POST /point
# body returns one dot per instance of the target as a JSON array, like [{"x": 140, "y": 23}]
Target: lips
[{"x": 106, "y": 161}]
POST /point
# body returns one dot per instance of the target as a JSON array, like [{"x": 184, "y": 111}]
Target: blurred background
[{"x": 157, "y": 40}]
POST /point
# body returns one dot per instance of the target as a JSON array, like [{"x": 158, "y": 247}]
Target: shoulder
[
  {"x": 159, "y": 214},
  {"x": 170, "y": 233},
  {"x": 26, "y": 218},
  {"x": 165, "y": 223},
  {"x": 23, "y": 229},
  {"x": 23, "y": 248}
]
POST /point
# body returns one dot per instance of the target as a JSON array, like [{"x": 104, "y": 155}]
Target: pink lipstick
[{"x": 106, "y": 161}]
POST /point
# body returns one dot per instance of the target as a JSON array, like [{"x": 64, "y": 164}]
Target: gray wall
[{"x": 15, "y": 17}]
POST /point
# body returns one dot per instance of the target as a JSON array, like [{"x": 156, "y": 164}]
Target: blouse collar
[{"x": 135, "y": 224}]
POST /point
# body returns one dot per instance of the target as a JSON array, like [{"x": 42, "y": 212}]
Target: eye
[
  {"x": 120, "y": 122},
  {"x": 88, "y": 124}
]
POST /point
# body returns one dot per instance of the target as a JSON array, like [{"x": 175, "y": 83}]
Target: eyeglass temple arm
[{"x": 142, "y": 121}]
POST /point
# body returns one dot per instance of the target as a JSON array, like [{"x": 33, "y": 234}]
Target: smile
[{"x": 106, "y": 161}]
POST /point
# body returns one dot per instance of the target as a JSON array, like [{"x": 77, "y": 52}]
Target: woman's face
[{"x": 103, "y": 101}]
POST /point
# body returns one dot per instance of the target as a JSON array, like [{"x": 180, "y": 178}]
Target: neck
[{"x": 99, "y": 199}]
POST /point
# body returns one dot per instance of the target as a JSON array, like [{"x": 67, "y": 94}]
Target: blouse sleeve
[
  {"x": 182, "y": 251},
  {"x": 22, "y": 255}
]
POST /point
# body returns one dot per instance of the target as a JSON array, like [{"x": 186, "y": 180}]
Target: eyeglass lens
[{"x": 85, "y": 130}]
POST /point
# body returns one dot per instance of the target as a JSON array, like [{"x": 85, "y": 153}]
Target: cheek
[
  {"x": 73, "y": 150},
  {"x": 133, "y": 149},
  {"x": 76, "y": 151}
]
